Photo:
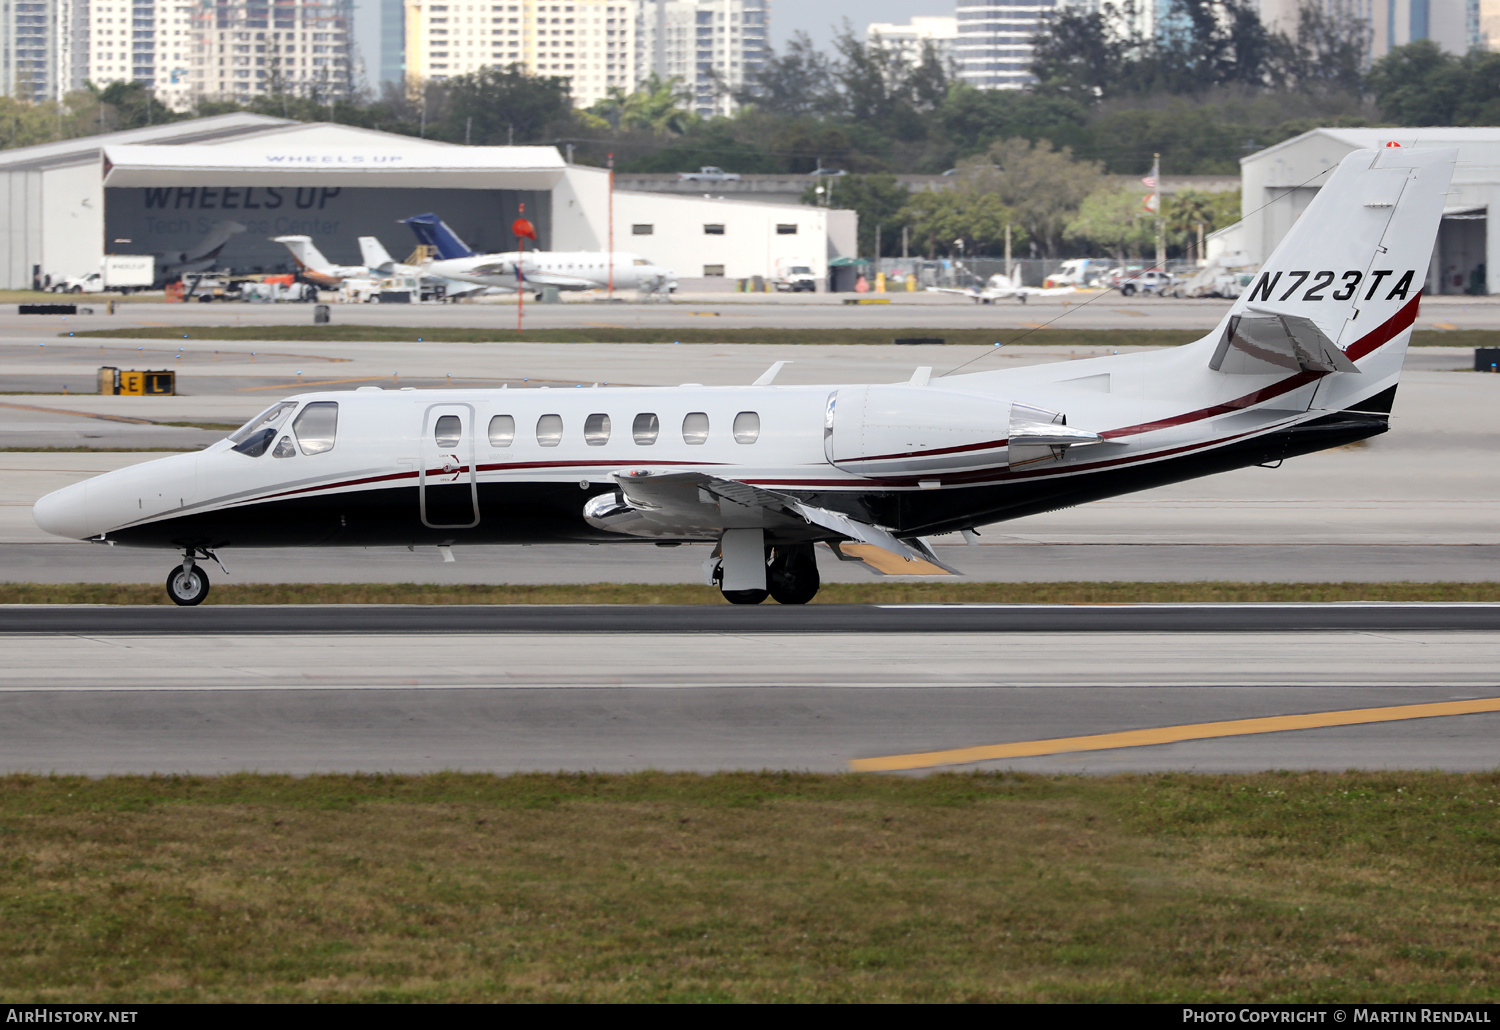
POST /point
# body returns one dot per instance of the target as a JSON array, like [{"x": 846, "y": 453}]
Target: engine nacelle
[{"x": 917, "y": 430}]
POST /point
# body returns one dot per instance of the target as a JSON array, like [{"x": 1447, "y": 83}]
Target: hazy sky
[{"x": 820, "y": 19}]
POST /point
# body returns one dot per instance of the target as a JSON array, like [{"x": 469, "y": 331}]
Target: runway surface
[
  {"x": 773, "y": 619},
  {"x": 224, "y": 697}
]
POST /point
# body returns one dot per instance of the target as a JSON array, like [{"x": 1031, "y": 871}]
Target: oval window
[
  {"x": 596, "y": 430},
  {"x": 549, "y": 430},
  {"x": 746, "y": 427},
  {"x": 316, "y": 426},
  {"x": 502, "y": 431},
  {"x": 646, "y": 428},
  {"x": 448, "y": 431},
  {"x": 695, "y": 427}
]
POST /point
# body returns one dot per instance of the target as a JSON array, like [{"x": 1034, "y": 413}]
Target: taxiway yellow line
[
  {"x": 314, "y": 382},
  {"x": 1173, "y": 734}
]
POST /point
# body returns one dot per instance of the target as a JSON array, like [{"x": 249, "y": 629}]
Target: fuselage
[
  {"x": 519, "y": 466},
  {"x": 566, "y": 270}
]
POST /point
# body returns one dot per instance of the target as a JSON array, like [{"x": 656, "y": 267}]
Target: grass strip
[
  {"x": 1274, "y": 887},
  {"x": 687, "y": 593},
  {"x": 1050, "y": 337}
]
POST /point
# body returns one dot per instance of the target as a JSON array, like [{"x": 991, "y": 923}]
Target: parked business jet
[
  {"x": 566, "y": 270},
  {"x": 379, "y": 264},
  {"x": 201, "y": 256},
  {"x": 317, "y": 269},
  {"x": 1307, "y": 358},
  {"x": 1001, "y": 287}
]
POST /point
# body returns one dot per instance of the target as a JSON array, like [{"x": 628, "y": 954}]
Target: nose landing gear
[{"x": 187, "y": 585}]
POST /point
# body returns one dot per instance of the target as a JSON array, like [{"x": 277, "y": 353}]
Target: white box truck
[{"x": 124, "y": 273}]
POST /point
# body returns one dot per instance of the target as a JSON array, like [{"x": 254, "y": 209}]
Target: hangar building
[
  {"x": 1279, "y": 182},
  {"x": 214, "y": 191}
]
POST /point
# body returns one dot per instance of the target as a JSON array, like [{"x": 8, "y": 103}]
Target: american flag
[{"x": 1149, "y": 182}]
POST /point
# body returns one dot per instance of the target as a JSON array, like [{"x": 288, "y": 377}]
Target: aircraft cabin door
[{"x": 447, "y": 484}]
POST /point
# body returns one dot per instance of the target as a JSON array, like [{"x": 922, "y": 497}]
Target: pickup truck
[{"x": 708, "y": 173}]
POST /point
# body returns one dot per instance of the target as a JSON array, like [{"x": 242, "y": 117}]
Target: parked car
[
  {"x": 1148, "y": 281},
  {"x": 826, "y": 173},
  {"x": 708, "y": 173}
]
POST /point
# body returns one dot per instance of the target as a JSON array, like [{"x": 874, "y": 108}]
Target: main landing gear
[
  {"x": 748, "y": 571},
  {"x": 187, "y": 585}
]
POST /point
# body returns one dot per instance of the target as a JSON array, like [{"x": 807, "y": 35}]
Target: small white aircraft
[
  {"x": 533, "y": 269},
  {"x": 1001, "y": 287},
  {"x": 1307, "y": 358}
]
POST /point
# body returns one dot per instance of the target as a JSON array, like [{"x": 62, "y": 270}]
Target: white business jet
[
  {"x": 1307, "y": 358},
  {"x": 533, "y": 269},
  {"x": 1002, "y": 287}
]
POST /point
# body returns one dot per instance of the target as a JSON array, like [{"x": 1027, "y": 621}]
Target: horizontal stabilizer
[{"x": 1263, "y": 342}]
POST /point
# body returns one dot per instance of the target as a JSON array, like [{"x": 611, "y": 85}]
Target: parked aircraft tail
[
  {"x": 374, "y": 254},
  {"x": 434, "y": 232},
  {"x": 306, "y": 254},
  {"x": 1345, "y": 282}
]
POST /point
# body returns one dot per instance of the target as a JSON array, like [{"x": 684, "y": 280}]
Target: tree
[
  {"x": 938, "y": 218},
  {"x": 658, "y": 105},
  {"x": 1114, "y": 219},
  {"x": 1184, "y": 212},
  {"x": 799, "y": 82},
  {"x": 485, "y": 107},
  {"x": 1043, "y": 185},
  {"x": 878, "y": 199},
  {"x": 1420, "y": 84}
]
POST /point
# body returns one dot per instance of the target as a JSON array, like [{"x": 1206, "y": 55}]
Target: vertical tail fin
[
  {"x": 305, "y": 254},
  {"x": 434, "y": 232},
  {"x": 1346, "y": 281},
  {"x": 374, "y": 254}
]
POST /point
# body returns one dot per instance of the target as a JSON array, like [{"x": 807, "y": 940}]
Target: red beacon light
[{"x": 1393, "y": 143}]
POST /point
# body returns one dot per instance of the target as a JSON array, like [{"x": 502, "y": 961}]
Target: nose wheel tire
[{"x": 187, "y": 587}]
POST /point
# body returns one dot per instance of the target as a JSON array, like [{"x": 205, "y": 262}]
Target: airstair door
[{"x": 447, "y": 485}]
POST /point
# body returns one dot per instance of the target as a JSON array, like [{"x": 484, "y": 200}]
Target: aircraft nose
[{"x": 64, "y": 512}]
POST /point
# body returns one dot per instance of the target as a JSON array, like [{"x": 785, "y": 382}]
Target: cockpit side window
[
  {"x": 317, "y": 426},
  {"x": 256, "y": 435}
]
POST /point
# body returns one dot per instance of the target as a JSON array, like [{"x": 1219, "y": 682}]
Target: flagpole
[
  {"x": 520, "y": 261},
  {"x": 611, "y": 226},
  {"x": 1161, "y": 249}
]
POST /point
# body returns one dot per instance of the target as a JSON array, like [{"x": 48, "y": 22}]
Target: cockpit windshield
[
  {"x": 268, "y": 419},
  {"x": 255, "y": 436}
]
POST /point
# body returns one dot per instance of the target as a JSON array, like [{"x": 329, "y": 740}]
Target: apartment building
[
  {"x": 591, "y": 43},
  {"x": 712, "y": 46},
  {"x": 994, "y": 48},
  {"x": 910, "y": 37},
  {"x": 30, "y": 45},
  {"x": 247, "y": 48},
  {"x": 145, "y": 41}
]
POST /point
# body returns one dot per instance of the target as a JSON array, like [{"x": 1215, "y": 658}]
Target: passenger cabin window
[
  {"x": 695, "y": 427},
  {"x": 549, "y": 430},
  {"x": 316, "y": 426},
  {"x": 746, "y": 427},
  {"x": 596, "y": 430},
  {"x": 502, "y": 431},
  {"x": 448, "y": 431},
  {"x": 645, "y": 428}
]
